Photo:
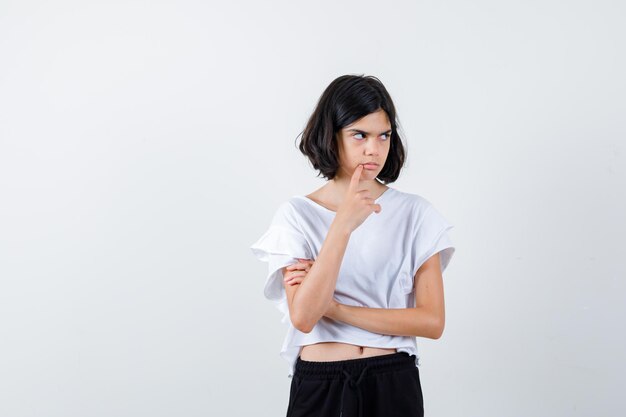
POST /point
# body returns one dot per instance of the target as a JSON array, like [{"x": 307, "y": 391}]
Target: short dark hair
[{"x": 345, "y": 100}]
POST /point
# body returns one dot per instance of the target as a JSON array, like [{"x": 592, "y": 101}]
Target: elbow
[
  {"x": 431, "y": 323},
  {"x": 305, "y": 329},
  {"x": 304, "y": 318},
  {"x": 302, "y": 327},
  {"x": 438, "y": 327},
  {"x": 301, "y": 324}
]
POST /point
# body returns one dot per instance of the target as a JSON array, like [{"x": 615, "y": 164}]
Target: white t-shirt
[{"x": 381, "y": 259}]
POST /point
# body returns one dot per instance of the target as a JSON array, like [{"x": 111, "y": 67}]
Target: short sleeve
[
  {"x": 279, "y": 246},
  {"x": 431, "y": 236}
]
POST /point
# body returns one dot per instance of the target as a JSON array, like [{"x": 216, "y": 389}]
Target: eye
[
  {"x": 358, "y": 134},
  {"x": 387, "y": 136}
]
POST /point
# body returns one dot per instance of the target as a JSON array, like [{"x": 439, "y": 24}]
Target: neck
[{"x": 340, "y": 185}]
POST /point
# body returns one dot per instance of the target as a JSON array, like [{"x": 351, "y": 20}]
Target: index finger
[{"x": 356, "y": 176}]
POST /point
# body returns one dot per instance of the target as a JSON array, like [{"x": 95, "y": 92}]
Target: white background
[{"x": 144, "y": 146}]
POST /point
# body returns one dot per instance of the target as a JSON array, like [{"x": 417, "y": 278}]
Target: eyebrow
[{"x": 367, "y": 133}]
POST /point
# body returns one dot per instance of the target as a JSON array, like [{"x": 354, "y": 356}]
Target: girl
[{"x": 356, "y": 266}]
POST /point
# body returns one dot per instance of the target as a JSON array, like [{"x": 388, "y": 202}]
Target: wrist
[
  {"x": 334, "y": 309},
  {"x": 336, "y": 227}
]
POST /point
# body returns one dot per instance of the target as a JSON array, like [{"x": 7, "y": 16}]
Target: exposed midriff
[{"x": 337, "y": 351}]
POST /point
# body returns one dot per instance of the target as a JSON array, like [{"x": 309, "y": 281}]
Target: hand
[
  {"x": 357, "y": 204},
  {"x": 297, "y": 272}
]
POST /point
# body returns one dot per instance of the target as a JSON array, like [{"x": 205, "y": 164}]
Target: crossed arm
[{"x": 426, "y": 319}]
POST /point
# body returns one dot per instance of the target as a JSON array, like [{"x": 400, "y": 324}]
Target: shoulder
[
  {"x": 416, "y": 203},
  {"x": 422, "y": 214},
  {"x": 290, "y": 212}
]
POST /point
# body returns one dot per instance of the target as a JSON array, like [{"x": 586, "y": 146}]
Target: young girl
[{"x": 356, "y": 266}]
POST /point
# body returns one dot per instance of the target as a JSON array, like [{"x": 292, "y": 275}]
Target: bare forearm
[
  {"x": 416, "y": 321},
  {"x": 315, "y": 293}
]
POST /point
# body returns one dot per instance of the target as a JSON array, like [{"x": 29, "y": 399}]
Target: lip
[{"x": 370, "y": 166}]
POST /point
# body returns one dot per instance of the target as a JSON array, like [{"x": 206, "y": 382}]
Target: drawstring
[{"x": 353, "y": 385}]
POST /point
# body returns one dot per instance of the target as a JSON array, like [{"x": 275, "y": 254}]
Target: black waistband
[{"x": 374, "y": 364}]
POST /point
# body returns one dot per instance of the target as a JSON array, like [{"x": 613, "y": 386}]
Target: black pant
[{"x": 376, "y": 386}]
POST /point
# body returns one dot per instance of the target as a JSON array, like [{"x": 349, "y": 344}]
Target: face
[{"x": 366, "y": 140}]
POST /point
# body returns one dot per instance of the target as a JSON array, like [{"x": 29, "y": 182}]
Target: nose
[{"x": 373, "y": 147}]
